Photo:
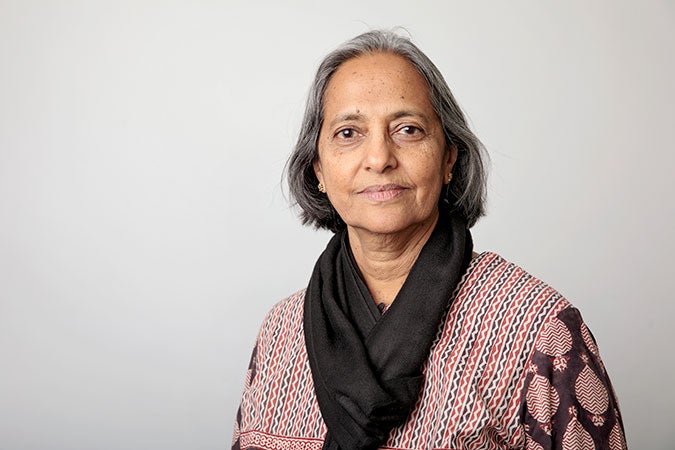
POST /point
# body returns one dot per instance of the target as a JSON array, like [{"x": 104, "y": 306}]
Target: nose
[{"x": 380, "y": 155}]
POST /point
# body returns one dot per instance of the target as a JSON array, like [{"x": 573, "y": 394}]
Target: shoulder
[
  {"x": 565, "y": 333},
  {"x": 500, "y": 298},
  {"x": 491, "y": 280},
  {"x": 492, "y": 270},
  {"x": 289, "y": 305},
  {"x": 284, "y": 319}
]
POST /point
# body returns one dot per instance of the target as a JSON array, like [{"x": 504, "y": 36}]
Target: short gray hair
[{"x": 467, "y": 190}]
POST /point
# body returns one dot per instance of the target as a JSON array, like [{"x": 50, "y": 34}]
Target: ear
[
  {"x": 317, "y": 170},
  {"x": 450, "y": 159}
]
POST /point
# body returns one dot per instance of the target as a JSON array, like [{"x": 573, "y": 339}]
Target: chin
[{"x": 386, "y": 223}]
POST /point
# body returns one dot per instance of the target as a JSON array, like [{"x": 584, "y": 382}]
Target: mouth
[{"x": 382, "y": 192}]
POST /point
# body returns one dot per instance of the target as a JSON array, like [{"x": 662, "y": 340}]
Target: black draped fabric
[{"x": 367, "y": 367}]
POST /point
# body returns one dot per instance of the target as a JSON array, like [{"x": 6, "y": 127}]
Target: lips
[{"x": 382, "y": 192}]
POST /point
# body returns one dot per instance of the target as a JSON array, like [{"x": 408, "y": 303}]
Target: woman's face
[{"x": 382, "y": 153}]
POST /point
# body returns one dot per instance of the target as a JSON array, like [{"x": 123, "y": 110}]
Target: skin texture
[{"x": 383, "y": 161}]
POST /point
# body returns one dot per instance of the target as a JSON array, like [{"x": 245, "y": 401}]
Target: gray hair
[{"x": 467, "y": 190}]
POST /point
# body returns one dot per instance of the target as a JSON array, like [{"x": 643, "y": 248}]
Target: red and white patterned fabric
[{"x": 512, "y": 366}]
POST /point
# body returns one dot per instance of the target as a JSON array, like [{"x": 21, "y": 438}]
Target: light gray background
[{"x": 144, "y": 233}]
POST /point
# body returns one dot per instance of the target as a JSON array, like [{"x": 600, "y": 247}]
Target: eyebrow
[
  {"x": 409, "y": 113},
  {"x": 346, "y": 117}
]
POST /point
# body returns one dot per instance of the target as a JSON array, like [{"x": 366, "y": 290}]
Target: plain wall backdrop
[{"x": 144, "y": 232}]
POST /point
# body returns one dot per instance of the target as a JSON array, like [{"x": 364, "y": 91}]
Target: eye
[
  {"x": 346, "y": 133},
  {"x": 409, "y": 130},
  {"x": 409, "y": 133}
]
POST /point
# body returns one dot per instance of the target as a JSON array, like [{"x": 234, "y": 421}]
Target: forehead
[{"x": 376, "y": 79}]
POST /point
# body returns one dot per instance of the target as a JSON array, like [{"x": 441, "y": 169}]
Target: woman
[{"x": 405, "y": 338}]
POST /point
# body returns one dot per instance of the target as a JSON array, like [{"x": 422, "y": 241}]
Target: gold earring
[
  {"x": 449, "y": 178},
  {"x": 322, "y": 188}
]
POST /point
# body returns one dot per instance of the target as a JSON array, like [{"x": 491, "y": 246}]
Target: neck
[{"x": 385, "y": 260}]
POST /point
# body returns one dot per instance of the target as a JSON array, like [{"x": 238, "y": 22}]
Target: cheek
[
  {"x": 339, "y": 169},
  {"x": 429, "y": 178},
  {"x": 331, "y": 172},
  {"x": 430, "y": 172},
  {"x": 338, "y": 183}
]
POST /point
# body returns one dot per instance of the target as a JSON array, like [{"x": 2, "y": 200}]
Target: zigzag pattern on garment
[
  {"x": 556, "y": 339},
  {"x": 540, "y": 387},
  {"x": 474, "y": 376},
  {"x": 590, "y": 392},
  {"x": 571, "y": 405}
]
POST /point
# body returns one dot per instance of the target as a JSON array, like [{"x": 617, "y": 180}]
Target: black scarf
[{"x": 367, "y": 367}]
